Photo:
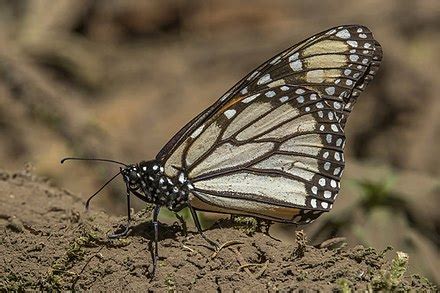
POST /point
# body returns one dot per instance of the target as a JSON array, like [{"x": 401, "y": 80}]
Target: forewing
[{"x": 337, "y": 63}]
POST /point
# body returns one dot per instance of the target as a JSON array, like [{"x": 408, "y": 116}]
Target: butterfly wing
[
  {"x": 280, "y": 153},
  {"x": 272, "y": 146},
  {"x": 338, "y": 63}
]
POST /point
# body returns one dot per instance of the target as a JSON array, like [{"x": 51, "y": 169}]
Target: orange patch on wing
[
  {"x": 225, "y": 107},
  {"x": 229, "y": 104}
]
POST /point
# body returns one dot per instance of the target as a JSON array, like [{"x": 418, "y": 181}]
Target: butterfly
[{"x": 272, "y": 146}]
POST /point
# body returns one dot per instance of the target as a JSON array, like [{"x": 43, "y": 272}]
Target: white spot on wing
[
  {"x": 270, "y": 94},
  {"x": 250, "y": 99},
  {"x": 339, "y": 142},
  {"x": 354, "y": 57},
  {"x": 181, "y": 178},
  {"x": 253, "y": 75},
  {"x": 330, "y": 90},
  {"x": 283, "y": 99},
  {"x": 296, "y": 65},
  {"x": 225, "y": 96},
  {"x": 343, "y": 34},
  {"x": 352, "y": 43},
  {"x": 230, "y": 113},
  {"x": 264, "y": 79},
  {"x": 328, "y": 138},
  {"x": 197, "y": 132},
  {"x": 293, "y": 57}
]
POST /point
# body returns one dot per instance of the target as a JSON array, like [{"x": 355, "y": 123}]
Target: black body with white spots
[{"x": 149, "y": 183}]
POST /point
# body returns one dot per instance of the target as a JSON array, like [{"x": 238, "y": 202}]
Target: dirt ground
[{"x": 48, "y": 242}]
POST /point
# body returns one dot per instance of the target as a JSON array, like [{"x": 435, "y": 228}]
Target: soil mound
[{"x": 49, "y": 242}]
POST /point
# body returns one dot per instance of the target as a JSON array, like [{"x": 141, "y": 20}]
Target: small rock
[
  {"x": 15, "y": 225},
  {"x": 4, "y": 176}
]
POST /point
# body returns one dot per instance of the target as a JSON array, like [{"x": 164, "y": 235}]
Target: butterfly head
[
  {"x": 141, "y": 176},
  {"x": 132, "y": 176}
]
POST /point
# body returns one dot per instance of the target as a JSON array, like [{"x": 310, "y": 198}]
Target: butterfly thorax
[{"x": 148, "y": 181}]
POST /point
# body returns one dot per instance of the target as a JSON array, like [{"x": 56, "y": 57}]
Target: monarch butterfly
[{"x": 272, "y": 146}]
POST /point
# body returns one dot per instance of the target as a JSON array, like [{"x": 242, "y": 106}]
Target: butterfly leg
[
  {"x": 127, "y": 227},
  {"x": 183, "y": 223},
  {"x": 199, "y": 227},
  {"x": 156, "y": 238}
]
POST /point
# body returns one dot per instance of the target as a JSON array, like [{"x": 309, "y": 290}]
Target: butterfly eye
[{"x": 133, "y": 175}]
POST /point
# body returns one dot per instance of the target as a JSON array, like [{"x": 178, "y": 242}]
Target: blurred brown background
[{"x": 118, "y": 78}]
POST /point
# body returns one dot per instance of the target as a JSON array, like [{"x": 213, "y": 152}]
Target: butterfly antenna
[
  {"x": 92, "y": 159},
  {"x": 102, "y": 187}
]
